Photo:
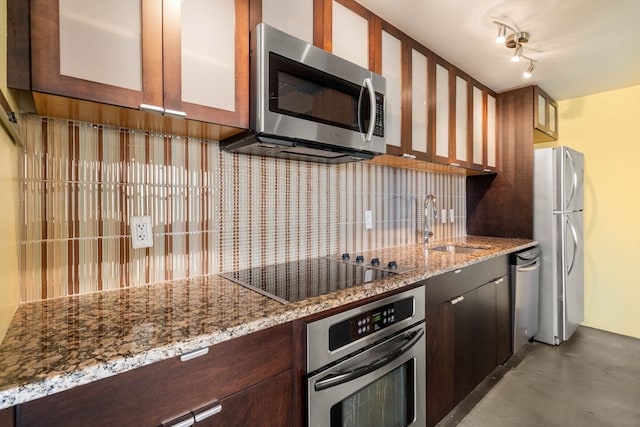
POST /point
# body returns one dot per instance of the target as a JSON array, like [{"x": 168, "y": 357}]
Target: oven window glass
[
  {"x": 386, "y": 402},
  {"x": 301, "y": 91}
]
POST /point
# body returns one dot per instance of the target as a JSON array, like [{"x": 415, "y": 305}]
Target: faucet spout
[{"x": 430, "y": 211}]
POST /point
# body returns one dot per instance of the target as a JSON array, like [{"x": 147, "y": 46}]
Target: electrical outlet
[
  {"x": 452, "y": 216},
  {"x": 368, "y": 220},
  {"x": 443, "y": 216},
  {"x": 141, "y": 233}
]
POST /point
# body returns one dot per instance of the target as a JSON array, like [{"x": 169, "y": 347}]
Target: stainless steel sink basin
[{"x": 458, "y": 249}]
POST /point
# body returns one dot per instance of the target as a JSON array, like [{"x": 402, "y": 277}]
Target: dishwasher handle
[{"x": 529, "y": 267}]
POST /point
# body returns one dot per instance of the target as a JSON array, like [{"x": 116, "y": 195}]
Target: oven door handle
[{"x": 343, "y": 377}]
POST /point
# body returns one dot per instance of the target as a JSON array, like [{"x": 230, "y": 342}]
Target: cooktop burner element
[{"x": 298, "y": 280}]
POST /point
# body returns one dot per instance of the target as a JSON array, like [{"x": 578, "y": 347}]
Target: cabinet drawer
[
  {"x": 455, "y": 283},
  {"x": 166, "y": 390},
  {"x": 268, "y": 404}
]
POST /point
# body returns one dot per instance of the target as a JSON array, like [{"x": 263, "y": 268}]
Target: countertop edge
[{"x": 55, "y": 383}]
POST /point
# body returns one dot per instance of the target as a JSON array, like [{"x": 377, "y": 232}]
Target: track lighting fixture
[{"x": 513, "y": 38}]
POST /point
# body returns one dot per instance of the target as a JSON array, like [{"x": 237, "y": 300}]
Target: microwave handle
[{"x": 372, "y": 108}]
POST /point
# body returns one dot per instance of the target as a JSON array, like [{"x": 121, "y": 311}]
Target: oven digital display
[{"x": 364, "y": 324}]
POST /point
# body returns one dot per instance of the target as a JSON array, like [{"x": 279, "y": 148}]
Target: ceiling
[{"x": 581, "y": 47}]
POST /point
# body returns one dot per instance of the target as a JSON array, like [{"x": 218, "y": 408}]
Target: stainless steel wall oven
[{"x": 366, "y": 366}]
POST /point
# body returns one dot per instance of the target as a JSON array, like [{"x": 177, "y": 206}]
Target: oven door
[{"x": 383, "y": 386}]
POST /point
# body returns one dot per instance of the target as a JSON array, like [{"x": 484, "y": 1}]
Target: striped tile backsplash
[{"x": 212, "y": 211}]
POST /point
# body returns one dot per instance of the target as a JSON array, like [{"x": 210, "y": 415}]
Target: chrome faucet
[{"x": 430, "y": 211}]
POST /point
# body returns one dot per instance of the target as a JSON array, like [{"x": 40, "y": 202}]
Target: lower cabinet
[
  {"x": 241, "y": 382},
  {"x": 268, "y": 404},
  {"x": 468, "y": 336},
  {"x": 8, "y": 417}
]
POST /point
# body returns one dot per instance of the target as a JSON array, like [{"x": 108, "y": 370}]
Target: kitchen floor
[{"x": 591, "y": 380}]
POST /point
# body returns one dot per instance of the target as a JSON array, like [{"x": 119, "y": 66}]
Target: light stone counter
[{"x": 58, "y": 344}]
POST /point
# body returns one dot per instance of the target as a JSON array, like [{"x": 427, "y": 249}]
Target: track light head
[
  {"x": 502, "y": 33},
  {"x": 527, "y": 74},
  {"x": 517, "y": 54}
]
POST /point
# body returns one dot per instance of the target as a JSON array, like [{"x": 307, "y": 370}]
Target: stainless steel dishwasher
[{"x": 525, "y": 274}]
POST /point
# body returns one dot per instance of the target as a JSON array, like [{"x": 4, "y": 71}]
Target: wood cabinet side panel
[
  {"x": 18, "y": 45},
  {"x": 8, "y": 417},
  {"x": 502, "y": 205},
  {"x": 440, "y": 362}
]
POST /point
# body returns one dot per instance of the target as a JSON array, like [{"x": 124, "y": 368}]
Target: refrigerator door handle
[
  {"x": 574, "y": 235},
  {"x": 574, "y": 179}
]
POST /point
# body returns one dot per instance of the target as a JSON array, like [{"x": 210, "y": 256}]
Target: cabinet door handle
[
  {"x": 455, "y": 164},
  {"x": 193, "y": 354},
  {"x": 498, "y": 281},
  {"x": 209, "y": 412},
  {"x": 175, "y": 113},
  {"x": 153, "y": 108},
  {"x": 457, "y": 300},
  {"x": 184, "y": 421},
  {"x": 408, "y": 156},
  {"x": 487, "y": 170}
]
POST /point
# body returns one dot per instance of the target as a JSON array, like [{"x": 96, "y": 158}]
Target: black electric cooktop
[{"x": 297, "y": 280}]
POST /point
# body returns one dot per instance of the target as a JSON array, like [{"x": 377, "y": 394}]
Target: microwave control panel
[
  {"x": 378, "y": 128},
  {"x": 367, "y": 323}
]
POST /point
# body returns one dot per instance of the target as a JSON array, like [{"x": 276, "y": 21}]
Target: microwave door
[{"x": 367, "y": 109}]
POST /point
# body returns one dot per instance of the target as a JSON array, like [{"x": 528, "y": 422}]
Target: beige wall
[
  {"x": 9, "y": 157},
  {"x": 606, "y": 128}
]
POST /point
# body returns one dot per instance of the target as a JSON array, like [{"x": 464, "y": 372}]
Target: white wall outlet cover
[
  {"x": 452, "y": 216},
  {"x": 141, "y": 232},
  {"x": 368, "y": 220},
  {"x": 443, "y": 216}
]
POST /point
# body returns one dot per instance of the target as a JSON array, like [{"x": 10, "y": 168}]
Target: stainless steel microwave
[{"x": 308, "y": 104}]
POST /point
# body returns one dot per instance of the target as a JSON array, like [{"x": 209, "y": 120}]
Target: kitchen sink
[{"x": 459, "y": 249}]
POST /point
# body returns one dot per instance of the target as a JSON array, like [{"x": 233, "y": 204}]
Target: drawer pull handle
[
  {"x": 154, "y": 108},
  {"x": 455, "y": 164},
  {"x": 175, "y": 113},
  {"x": 408, "y": 156},
  {"x": 208, "y": 413},
  {"x": 457, "y": 271},
  {"x": 186, "y": 422},
  {"x": 500, "y": 280},
  {"x": 194, "y": 354},
  {"x": 457, "y": 300}
]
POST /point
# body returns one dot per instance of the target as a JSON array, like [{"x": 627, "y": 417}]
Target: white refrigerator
[{"x": 558, "y": 226}]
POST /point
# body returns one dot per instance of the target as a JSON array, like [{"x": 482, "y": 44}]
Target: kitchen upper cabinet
[
  {"x": 206, "y": 60},
  {"x": 181, "y": 58},
  {"x": 392, "y": 70},
  {"x": 461, "y": 153},
  {"x": 350, "y": 34},
  {"x": 478, "y": 148},
  {"x": 492, "y": 148},
  {"x": 545, "y": 117},
  {"x": 420, "y": 117},
  {"x": 294, "y": 17},
  {"x": 231, "y": 383},
  {"x": 442, "y": 122}
]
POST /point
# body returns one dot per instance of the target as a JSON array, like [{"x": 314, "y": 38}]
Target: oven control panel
[{"x": 367, "y": 323}]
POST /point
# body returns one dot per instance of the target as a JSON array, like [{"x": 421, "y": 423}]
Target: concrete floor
[{"x": 591, "y": 380}]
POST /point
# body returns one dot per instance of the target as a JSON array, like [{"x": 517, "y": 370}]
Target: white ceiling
[{"x": 581, "y": 47}]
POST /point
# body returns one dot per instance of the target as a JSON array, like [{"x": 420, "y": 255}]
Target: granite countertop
[{"x": 57, "y": 344}]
